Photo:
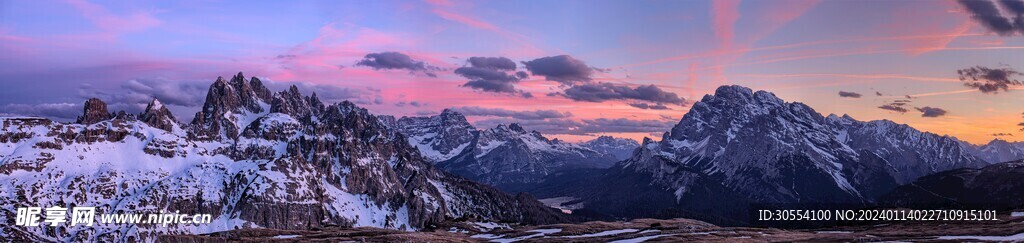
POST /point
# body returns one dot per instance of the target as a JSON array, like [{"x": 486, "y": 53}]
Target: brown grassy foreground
[{"x": 653, "y": 230}]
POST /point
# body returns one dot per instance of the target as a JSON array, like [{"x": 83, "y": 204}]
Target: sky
[{"x": 570, "y": 69}]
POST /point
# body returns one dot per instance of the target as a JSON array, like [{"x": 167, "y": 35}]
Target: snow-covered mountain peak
[
  {"x": 999, "y": 150},
  {"x": 752, "y": 141},
  {"x": 293, "y": 103},
  {"x": 438, "y": 137},
  {"x": 621, "y": 148},
  {"x": 157, "y": 115},
  {"x": 230, "y": 106}
]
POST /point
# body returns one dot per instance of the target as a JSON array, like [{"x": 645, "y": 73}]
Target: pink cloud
[
  {"x": 941, "y": 20},
  {"x": 443, "y": 3},
  {"x": 774, "y": 16},
  {"x": 525, "y": 45},
  {"x": 110, "y": 24},
  {"x": 466, "y": 20},
  {"x": 724, "y": 14}
]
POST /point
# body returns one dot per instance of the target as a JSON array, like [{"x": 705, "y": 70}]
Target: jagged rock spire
[
  {"x": 234, "y": 97},
  {"x": 292, "y": 102},
  {"x": 157, "y": 115},
  {"x": 95, "y": 111}
]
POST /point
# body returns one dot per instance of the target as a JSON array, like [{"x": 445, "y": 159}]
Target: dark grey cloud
[
  {"x": 878, "y": 93},
  {"x": 496, "y": 86},
  {"x": 586, "y": 126},
  {"x": 989, "y": 80},
  {"x": 396, "y": 61},
  {"x": 1014, "y": 6},
  {"x": 928, "y": 111},
  {"x": 522, "y": 115},
  {"x": 897, "y": 107},
  {"x": 600, "y": 92},
  {"x": 1022, "y": 123},
  {"x": 56, "y": 111},
  {"x": 411, "y": 103},
  {"x": 426, "y": 113},
  {"x": 499, "y": 63},
  {"x": 486, "y": 73},
  {"x": 1002, "y": 134},
  {"x": 492, "y": 74},
  {"x": 849, "y": 94},
  {"x": 986, "y": 13},
  {"x": 563, "y": 69},
  {"x": 649, "y": 106}
]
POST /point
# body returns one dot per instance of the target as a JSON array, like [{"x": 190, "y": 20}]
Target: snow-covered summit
[
  {"x": 439, "y": 137},
  {"x": 756, "y": 144},
  {"x": 621, "y": 148}
]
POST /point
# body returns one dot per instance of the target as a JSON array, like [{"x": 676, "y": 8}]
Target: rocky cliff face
[
  {"x": 156, "y": 115},
  {"x": 230, "y": 106},
  {"x": 251, "y": 158},
  {"x": 95, "y": 111}
]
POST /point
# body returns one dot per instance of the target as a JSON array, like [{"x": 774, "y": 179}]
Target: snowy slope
[{"x": 250, "y": 158}]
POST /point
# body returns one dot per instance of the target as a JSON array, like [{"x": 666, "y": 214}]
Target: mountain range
[
  {"x": 738, "y": 149},
  {"x": 256, "y": 158},
  {"x": 999, "y": 150},
  {"x": 250, "y": 157},
  {"x": 506, "y": 156}
]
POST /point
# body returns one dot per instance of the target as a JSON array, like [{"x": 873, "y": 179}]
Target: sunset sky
[{"x": 587, "y": 67}]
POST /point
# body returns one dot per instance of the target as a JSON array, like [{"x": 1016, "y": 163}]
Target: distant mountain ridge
[
  {"x": 620, "y": 148},
  {"x": 999, "y": 150},
  {"x": 506, "y": 156}
]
